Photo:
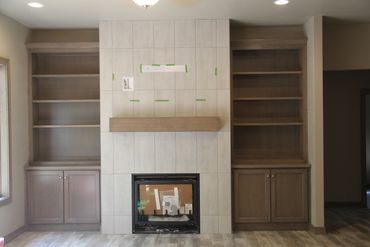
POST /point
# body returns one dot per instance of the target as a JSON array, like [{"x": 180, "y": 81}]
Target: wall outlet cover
[{"x": 127, "y": 83}]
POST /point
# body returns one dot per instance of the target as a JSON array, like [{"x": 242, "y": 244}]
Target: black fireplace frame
[{"x": 193, "y": 226}]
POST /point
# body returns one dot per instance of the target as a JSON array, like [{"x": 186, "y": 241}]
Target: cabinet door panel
[
  {"x": 81, "y": 197},
  {"x": 45, "y": 197},
  {"x": 289, "y": 195},
  {"x": 251, "y": 196}
]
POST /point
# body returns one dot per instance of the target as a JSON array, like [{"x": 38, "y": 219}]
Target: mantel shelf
[{"x": 165, "y": 124}]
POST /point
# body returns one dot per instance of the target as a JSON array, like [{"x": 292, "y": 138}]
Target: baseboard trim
[
  {"x": 318, "y": 230},
  {"x": 15, "y": 234},
  {"x": 64, "y": 227},
  {"x": 343, "y": 205}
]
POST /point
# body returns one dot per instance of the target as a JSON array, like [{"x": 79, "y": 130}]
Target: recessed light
[
  {"x": 281, "y": 2},
  {"x": 35, "y": 5}
]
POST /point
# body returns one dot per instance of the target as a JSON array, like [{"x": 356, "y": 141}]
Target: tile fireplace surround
[{"x": 204, "y": 91}]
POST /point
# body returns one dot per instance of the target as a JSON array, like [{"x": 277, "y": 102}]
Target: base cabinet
[
  {"x": 269, "y": 196},
  {"x": 63, "y": 197}
]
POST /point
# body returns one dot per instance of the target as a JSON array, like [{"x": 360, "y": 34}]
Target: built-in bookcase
[
  {"x": 268, "y": 106},
  {"x": 65, "y": 107}
]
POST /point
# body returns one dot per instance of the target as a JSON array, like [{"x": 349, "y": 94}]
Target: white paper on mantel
[{"x": 163, "y": 68}]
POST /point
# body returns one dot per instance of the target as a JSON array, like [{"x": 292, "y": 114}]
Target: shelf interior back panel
[
  {"x": 268, "y": 142},
  {"x": 66, "y": 144},
  {"x": 66, "y": 113},
  {"x": 266, "y": 60},
  {"x": 267, "y": 86},
  {"x": 65, "y": 88},
  {"x": 65, "y": 63}
]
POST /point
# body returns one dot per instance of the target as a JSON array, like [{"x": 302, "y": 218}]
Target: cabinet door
[
  {"x": 45, "y": 197},
  {"x": 289, "y": 195},
  {"x": 251, "y": 196},
  {"x": 81, "y": 197}
]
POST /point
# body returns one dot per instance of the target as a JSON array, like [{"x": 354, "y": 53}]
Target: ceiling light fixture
[
  {"x": 35, "y": 5},
  {"x": 281, "y": 2},
  {"x": 145, "y": 3}
]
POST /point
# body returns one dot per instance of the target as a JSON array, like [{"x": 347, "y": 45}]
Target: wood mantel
[{"x": 165, "y": 124}]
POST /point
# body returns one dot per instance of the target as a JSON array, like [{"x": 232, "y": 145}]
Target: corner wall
[
  {"x": 314, "y": 32},
  {"x": 201, "y": 44},
  {"x": 12, "y": 46}
]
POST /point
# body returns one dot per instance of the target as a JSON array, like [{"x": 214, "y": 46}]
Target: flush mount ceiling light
[
  {"x": 35, "y": 5},
  {"x": 281, "y": 2},
  {"x": 145, "y": 3}
]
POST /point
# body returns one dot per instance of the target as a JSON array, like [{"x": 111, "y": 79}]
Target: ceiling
[{"x": 87, "y": 13}]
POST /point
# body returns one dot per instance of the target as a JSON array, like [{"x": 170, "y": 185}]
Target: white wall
[
  {"x": 203, "y": 45},
  {"x": 12, "y": 46},
  {"x": 313, "y": 29}
]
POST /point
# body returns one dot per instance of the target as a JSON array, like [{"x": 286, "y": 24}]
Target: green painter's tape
[
  {"x": 141, "y": 68},
  {"x": 113, "y": 76},
  {"x": 170, "y": 64},
  {"x": 156, "y": 65},
  {"x": 201, "y": 100},
  {"x": 135, "y": 100},
  {"x": 216, "y": 71},
  {"x": 186, "y": 68},
  {"x": 162, "y": 100}
]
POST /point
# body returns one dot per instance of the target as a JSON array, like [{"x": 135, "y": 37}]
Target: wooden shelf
[
  {"x": 67, "y": 101},
  {"x": 65, "y": 163},
  {"x": 267, "y": 122},
  {"x": 65, "y": 75},
  {"x": 66, "y": 126},
  {"x": 265, "y": 98},
  {"x": 240, "y": 161},
  {"x": 165, "y": 124},
  {"x": 268, "y": 73}
]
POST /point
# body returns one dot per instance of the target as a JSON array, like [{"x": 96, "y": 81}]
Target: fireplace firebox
[{"x": 165, "y": 203}]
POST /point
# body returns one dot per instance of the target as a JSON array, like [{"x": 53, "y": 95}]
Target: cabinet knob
[
  {"x": 66, "y": 177},
  {"x": 267, "y": 176},
  {"x": 273, "y": 176},
  {"x": 60, "y": 177}
]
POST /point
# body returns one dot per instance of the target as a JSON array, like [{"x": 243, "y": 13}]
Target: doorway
[{"x": 365, "y": 129}]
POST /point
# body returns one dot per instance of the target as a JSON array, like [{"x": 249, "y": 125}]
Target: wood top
[{"x": 165, "y": 124}]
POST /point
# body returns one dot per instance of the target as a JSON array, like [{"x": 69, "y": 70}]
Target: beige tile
[
  {"x": 223, "y": 33},
  {"x": 143, "y": 80},
  {"x": 106, "y": 147},
  {"x": 223, "y": 68},
  {"x": 206, "y": 33},
  {"x": 165, "y": 152},
  {"x": 186, "y": 56},
  {"x": 224, "y": 194},
  {"x": 206, "y": 59},
  {"x": 107, "y": 194},
  {"x": 122, "y": 34},
  {"x": 106, "y": 69},
  {"x": 123, "y": 152},
  {"x": 224, "y": 152},
  {"x": 122, "y": 194},
  {"x": 185, "y": 33},
  {"x": 145, "y": 105},
  {"x": 107, "y": 224},
  {"x": 105, "y": 34},
  {"x": 122, "y": 66},
  {"x": 185, "y": 103},
  {"x": 105, "y": 110},
  {"x": 164, "y": 103},
  {"x": 143, "y": 34},
  {"x": 209, "y": 194},
  {"x": 123, "y": 225},
  {"x": 144, "y": 152},
  {"x": 206, "y": 102},
  {"x": 223, "y": 108},
  {"x": 164, "y": 34},
  {"x": 208, "y": 224},
  {"x": 224, "y": 225},
  {"x": 186, "y": 152},
  {"x": 164, "y": 81},
  {"x": 207, "y": 152},
  {"x": 122, "y": 105}
]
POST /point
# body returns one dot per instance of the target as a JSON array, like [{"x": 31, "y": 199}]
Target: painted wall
[
  {"x": 12, "y": 39},
  {"x": 313, "y": 29},
  {"x": 346, "y": 46},
  {"x": 343, "y": 134},
  {"x": 368, "y": 139},
  {"x": 201, "y": 44}
]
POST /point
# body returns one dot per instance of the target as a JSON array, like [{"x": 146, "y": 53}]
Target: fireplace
[{"x": 165, "y": 203}]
